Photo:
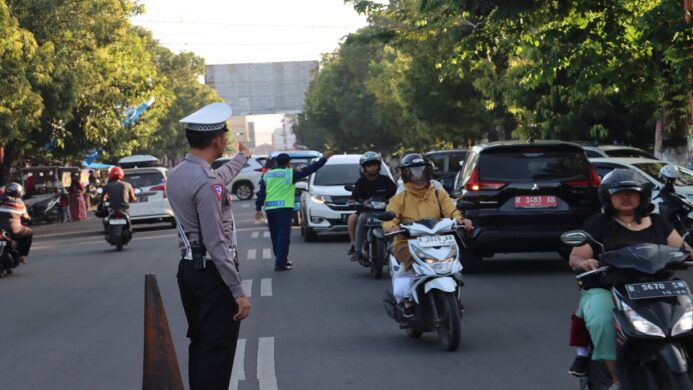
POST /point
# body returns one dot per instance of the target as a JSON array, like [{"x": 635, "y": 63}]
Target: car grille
[{"x": 339, "y": 203}]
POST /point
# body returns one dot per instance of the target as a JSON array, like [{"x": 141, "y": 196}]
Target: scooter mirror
[
  {"x": 464, "y": 205},
  {"x": 350, "y": 187},
  {"x": 575, "y": 238}
]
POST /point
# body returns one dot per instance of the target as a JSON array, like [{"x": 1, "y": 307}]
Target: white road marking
[
  {"x": 255, "y": 235},
  {"x": 266, "y": 234},
  {"x": 266, "y": 287},
  {"x": 266, "y": 253},
  {"x": 245, "y": 206},
  {"x": 247, "y": 287},
  {"x": 266, "y": 373},
  {"x": 61, "y": 243},
  {"x": 252, "y": 254},
  {"x": 238, "y": 373}
]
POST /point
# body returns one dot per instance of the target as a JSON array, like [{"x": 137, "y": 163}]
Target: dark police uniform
[{"x": 202, "y": 206}]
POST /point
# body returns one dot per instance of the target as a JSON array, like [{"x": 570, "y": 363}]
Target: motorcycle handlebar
[{"x": 594, "y": 271}]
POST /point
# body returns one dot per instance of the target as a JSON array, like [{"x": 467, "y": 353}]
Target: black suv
[{"x": 522, "y": 196}]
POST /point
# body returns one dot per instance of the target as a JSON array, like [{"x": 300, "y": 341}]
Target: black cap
[{"x": 283, "y": 159}]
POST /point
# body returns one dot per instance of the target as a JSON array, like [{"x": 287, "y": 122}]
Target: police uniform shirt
[{"x": 201, "y": 202}]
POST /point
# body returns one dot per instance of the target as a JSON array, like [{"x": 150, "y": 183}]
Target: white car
[
  {"x": 615, "y": 151},
  {"x": 650, "y": 170},
  {"x": 324, "y": 205},
  {"x": 247, "y": 181},
  {"x": 152, "y": 204}
]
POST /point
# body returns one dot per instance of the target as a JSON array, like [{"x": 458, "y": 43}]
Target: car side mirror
[
  {"x": 302, "y": 186},
  {"x": 350, "y": 187},
  {"x": 575, "y": 238},
  {"x": 464, "y": 205}
]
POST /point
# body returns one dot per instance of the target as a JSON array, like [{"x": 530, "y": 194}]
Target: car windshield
[
  {"x": 145, "y": 179},
  {"x": 340, "y": 174},
  {"x": 533, "y": 165},
  {"x": 626, "y": 152},
  {"x": 652, "y": 169}
]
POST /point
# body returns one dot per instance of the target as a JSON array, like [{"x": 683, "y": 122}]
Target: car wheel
[
  {"x": 243, "y": 190},
  {"x": 472, "y": 262},
  {"x": 309, "y": 234}
]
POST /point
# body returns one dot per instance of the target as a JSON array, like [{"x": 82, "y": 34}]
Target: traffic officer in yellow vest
[
  {"x": 277, "y": 191},
  {"x": 208, "y": 278}
]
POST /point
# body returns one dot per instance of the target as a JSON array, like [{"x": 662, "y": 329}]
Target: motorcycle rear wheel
[{"x": 450, "y": 327}]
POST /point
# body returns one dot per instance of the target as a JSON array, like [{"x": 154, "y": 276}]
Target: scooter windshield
[{"x": 645, "y": 258}]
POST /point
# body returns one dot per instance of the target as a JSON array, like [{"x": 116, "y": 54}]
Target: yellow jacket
[{"x": 413, "y": 205}]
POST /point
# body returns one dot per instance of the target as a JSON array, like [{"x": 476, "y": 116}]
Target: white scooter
[{"x": 434, "y": 283}]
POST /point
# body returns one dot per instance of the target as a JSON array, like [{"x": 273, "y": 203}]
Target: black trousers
[
  {"x": 209, "y": 307},
  {"x": 23, "y": 238}
]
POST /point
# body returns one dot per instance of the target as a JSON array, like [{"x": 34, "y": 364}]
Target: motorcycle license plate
[
  {"x": 535, "y": 202},
  {"x": 117, "y": 222},
  {"x": 431, "y": 241},
  {"x": 670, "y": 288}
]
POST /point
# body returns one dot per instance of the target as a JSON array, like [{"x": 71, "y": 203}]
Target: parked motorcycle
[
  {"x": 653, "y": 315},
  {"x": 117, "y": 227},
  {"x": 9, "y": 257},
  {"x": 45, "y": 210},
  {"x": 674, "y": 207},
  {"x": 435, "y": 280}
]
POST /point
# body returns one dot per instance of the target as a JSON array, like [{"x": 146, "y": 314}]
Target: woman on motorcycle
[
  {"x": 420, "y": 200},
  {"x": 625, "y": 220}
]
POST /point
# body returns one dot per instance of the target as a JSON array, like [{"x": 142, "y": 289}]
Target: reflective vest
[{"x": 280, "y": 188}]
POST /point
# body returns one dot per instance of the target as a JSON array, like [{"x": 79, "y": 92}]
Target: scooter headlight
[
  {"x": 641, "y": 324},
  {"x": 685, "y": 323},
  {"x": 443, "y": 266}
]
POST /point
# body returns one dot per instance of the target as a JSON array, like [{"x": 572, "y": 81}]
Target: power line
[{"x": 231, "y": 24}]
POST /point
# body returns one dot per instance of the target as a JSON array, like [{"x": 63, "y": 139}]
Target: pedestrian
[
  {"x": 78, "y": 209},
  {"x": 210, "y": 285},
  {"x": 277, "y": 192}
]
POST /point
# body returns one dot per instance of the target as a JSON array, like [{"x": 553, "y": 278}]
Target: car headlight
[
  {"x": 641, "y": 324},
  {"x": 685, "y": 323},
  {"x": 321, "y": 198}
]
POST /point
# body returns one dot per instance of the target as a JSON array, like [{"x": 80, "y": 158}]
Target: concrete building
[
  {"x": 284, "y": 138},
  {"x": 238, "y": 128},
  {"x": 251, "y": 135}
]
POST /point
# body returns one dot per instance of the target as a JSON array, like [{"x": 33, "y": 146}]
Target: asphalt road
[{"x": 72, "y": 318}]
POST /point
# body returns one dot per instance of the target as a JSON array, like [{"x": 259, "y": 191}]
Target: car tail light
[
  {"x": 593, "y": 181},
  {"x": 160, "y": 188},
  {"x": 474, "y": 184}
]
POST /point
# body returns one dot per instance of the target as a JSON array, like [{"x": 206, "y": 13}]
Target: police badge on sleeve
[{"x": 218, "y": 190}]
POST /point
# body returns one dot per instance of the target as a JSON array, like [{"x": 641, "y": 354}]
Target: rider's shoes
[
  {"x": 355, "y": 256},
  {"x": 22, "y": 259},
  {"x": 579, "y": 366},
  {"x": 351, "y": 251},
  {"x": 407, "y": 311}
]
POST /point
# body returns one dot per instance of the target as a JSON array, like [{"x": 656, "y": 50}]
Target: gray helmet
[
  {"x": 370, "y": 157},
  {"x": 668, "y": 174},
  {"x": 622, "y": 179},
  {"x": 415, "y": 167},
  {"x": 14, "y": 189}
]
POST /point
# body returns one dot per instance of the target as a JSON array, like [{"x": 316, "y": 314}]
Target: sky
[{"x": 242, "y": 31}]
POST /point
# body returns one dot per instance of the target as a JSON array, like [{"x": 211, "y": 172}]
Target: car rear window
[
  {"x": 652, "y": 169},
  {"x": 628, "y": 153},
  {"x": 145, "y": 179},
  {"x": 340, "y": 174},
  {"x": 532, "y": 164}
]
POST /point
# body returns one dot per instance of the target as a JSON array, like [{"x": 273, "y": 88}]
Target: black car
[
  {"x": 447, "y": 165},
  {"x": 522, "y": 196}
]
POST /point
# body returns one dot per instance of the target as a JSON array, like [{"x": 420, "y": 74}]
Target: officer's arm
[
  {"x": 260, "y": 201},
  {"x": 309, "y": 169},
  {"x": 229, "y": 170},
  {"x": 208, "y": 205}
]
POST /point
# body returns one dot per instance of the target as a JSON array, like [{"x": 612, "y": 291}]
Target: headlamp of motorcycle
[
  {"x": 642, "y": 324},
  {"x": 441, "y": 265},
  {"x": 685, "y": 323}
]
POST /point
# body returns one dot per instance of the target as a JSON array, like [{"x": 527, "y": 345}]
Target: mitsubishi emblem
[{"x": 535, "y": 187}]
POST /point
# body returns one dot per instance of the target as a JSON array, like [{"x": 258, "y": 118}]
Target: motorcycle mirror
[
  {"x": 350, "y": 187},
  {"x": 464, "y": 205},
  {"x": 386, "y": 216},
  {"x": 575, "y": 238},
  {"x": 302, "y": 186}
]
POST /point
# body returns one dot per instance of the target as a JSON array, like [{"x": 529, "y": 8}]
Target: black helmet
[
  {"x": 415, "y": 167},
  {"x": 15, "y": 190},
  {"x": 370, "y": 157},
  {"x": 622, "y": 179}
]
